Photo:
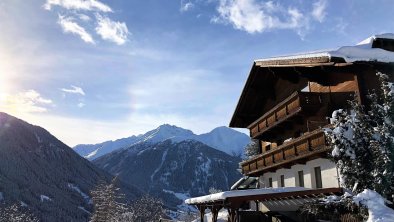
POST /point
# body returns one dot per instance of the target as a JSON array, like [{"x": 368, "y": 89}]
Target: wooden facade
[
  {"x": 286, "y": 108},
  {"x": 299, "y": 150},
  {"x": 286, "y": 104}
]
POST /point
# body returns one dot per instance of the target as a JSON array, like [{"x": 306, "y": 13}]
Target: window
[
  {"x": 270, "y": 182},
  {"x": 301, "y": 178},
  {"x": 318, "y": 177},
  {"x": 268, "y": 147},
  {"x": 282, "y": 180}
]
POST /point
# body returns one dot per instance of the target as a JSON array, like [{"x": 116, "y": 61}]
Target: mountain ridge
[
  {"x": 173, "y": 171},
  {"x": 40, "y": 172},
  {"x": 222, "y": 138}
]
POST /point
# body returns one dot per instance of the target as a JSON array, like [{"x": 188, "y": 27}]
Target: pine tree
[
  {"x": 107, "y": 203},
  {"x": 382, "y": 143},
  {"x": 350, "y": 139},
  {"x": 252, "y": 149},
  {"x": 109, "y": 206},
  {"x": 362, "y": 142},
  {"x": 146, "y": 208},
  {"x": 15, "y": 213}
]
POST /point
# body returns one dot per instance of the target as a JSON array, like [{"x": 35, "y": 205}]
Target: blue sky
[{"x": 93, "y": 70}]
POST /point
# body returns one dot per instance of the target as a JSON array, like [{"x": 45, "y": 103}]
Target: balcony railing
[
  {"x": 298, "y": 150},
  {"x": 294, "y": 104}
]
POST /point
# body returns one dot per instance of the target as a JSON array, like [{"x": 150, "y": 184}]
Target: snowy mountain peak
[
  {"x": 173, "y": 130},
  {"x": 222, "y": 138}
]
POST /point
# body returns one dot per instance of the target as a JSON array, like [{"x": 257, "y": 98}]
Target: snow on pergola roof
[
  {"x": 363, "y": 51},
  {"x": 239, "y": 193}
]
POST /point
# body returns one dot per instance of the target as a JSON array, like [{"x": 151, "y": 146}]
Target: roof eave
[{"x": 302, "y": 62}]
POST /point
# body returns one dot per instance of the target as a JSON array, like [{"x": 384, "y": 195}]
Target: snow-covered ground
[
  {"x": 377, "y": 210},
  {"x": 222, "y": 217},
  {"x": 83, "y": 209},
  {"x": 45, "y": 198},
  {"x": 84, "y": 195}
]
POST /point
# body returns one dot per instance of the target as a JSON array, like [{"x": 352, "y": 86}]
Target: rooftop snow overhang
[
  {"x": 228, "y": 198},
  {"x": 365, "y": 52}
]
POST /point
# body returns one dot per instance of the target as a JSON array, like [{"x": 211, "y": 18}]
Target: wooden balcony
[
  {"x": 309, "y": 146},
  {"x": 297, "y": 103}
]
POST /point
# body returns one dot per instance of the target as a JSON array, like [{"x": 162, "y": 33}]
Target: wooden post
[
  {"x": 215, "y": 211},
  {"x": 232, "y": 215},
  {"x": 202, "y": 212}
]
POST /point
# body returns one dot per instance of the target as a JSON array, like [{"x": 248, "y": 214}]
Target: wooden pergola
[{"x": 233, "y": 204}]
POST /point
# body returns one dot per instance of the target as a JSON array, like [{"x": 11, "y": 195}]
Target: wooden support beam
[
  {"x": 232, "y": 214},
  {"x": 215, "y": 211},
  {"x": 201, "y": 208}
]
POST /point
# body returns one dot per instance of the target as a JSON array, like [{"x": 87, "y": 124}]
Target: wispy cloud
[
  {"x": 29, "y": 101},
  {"x": 116, "y": 32},
  {"x": 87, "y": 5},
  {"x": 254, "y": 16},
  {"x": 74, "y": 90},
  {"x": 70, "y": 26},
  {"x": 319, "y": 10},
  {"x": 186, "y": 6},
  {"x": 81, "y": 11}
]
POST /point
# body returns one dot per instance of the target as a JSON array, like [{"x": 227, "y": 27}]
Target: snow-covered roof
[
  {"x": 363, "y": 51},
  {"x": 239, "y": 193},
  {"x": 369, "y": 41}
]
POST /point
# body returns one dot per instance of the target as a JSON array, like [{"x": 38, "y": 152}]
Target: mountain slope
[
  {"x": 225, "y": 139},
  {"x": 40, "y": 171},
  {"x": 171, "y": 170},
  {"x": 221, "y": 138}
]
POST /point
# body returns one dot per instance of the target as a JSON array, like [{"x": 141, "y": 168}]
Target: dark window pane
[
  {"x": 301, "y": 178},
  {"x": 270, "y": 182},
  {"x": 282, "y": 180},
  {"x": 318, "y": 177}
]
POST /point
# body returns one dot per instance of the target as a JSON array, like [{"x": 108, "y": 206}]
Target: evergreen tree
[
  {"x": 109, "y": 206},
  {"x": 107, "y": 203},
  {"x": 382, "y": 143},
  {"x": 362, "y": 141},
  {"x": 147, "y": 208},
  {"x": 15, "y": 213},
  {"x": 252, "y": 149}
]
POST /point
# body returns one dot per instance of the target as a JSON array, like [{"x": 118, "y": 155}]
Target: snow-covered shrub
[{"x": 332, "y": 208}]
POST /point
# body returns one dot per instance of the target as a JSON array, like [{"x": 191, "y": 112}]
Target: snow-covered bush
[
  {"x": 362, "y": 141},
  {"x": 332, "y": 208}
]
